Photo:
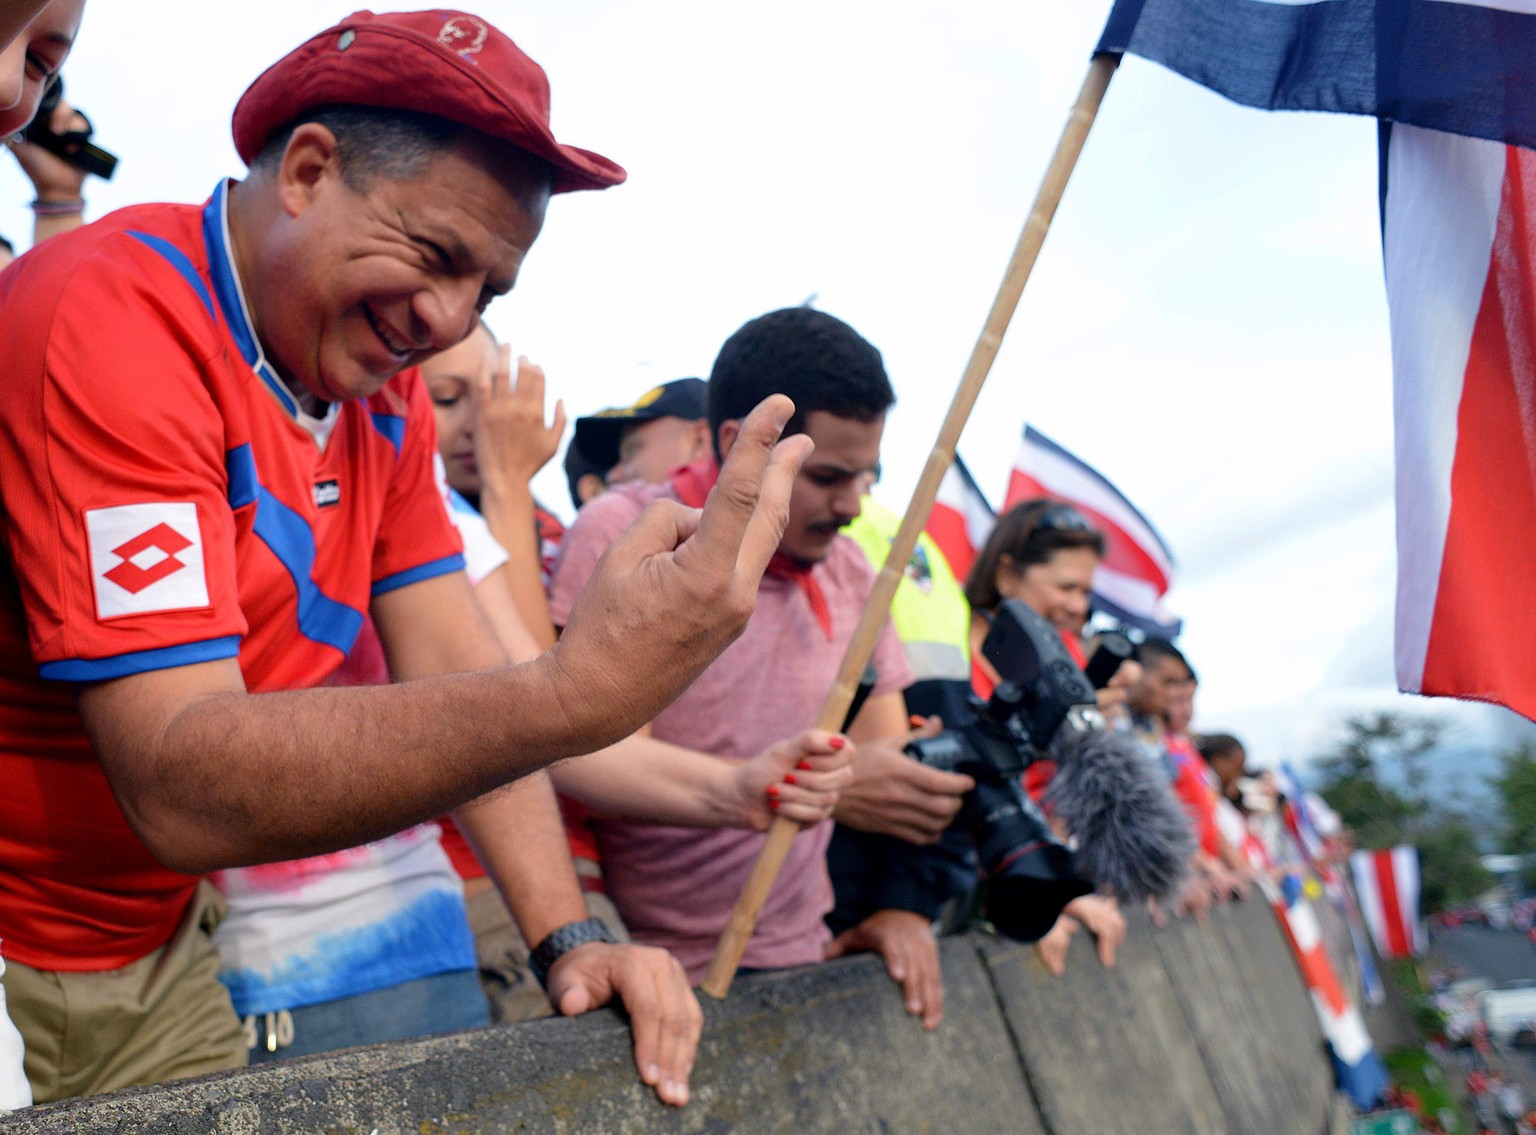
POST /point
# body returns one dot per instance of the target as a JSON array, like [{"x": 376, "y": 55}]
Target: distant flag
[
  {"x": 1137, "y": 567},
  {"x": 1387, "y": 883},
  {"x": 961, "y": 519},
  {"x": 1459, "y": 221},
  {"x": 1357, "y": 1068}
]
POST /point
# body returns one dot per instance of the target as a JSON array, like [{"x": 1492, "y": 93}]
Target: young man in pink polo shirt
[{"x": 675, "y": 886}]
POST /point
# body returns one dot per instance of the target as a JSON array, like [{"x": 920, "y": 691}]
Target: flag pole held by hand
[{"x": 781, "y": 833}]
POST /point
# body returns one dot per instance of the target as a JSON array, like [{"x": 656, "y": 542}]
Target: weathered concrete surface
[
  {"x": 1252, "y": 1019},
  {"x": 1106, "y": 1050},
  {"x": 823, "y": 1050},
  {"x": 1205, "y": 1030}
]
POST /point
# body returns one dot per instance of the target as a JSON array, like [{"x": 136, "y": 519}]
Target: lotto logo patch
[{"x": 146, "y": 557}]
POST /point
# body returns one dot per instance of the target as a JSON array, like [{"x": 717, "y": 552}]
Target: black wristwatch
[{"x": 562, "y": 941}]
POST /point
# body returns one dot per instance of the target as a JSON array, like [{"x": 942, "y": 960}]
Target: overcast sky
[{"x": 1206, "y": 325}]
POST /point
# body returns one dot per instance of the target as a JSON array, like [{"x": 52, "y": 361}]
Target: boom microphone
[{"x": 1133, "y": 837}]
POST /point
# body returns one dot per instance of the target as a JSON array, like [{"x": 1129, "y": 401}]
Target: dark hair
[
  {"x": 1029, "y": 533},
  {"x": 577, "y": 466},
  {"x": 1214, "y": 745},
  {"x": 7, "y": 245},
  {"x": 1152, "y": 650},
  {"x": 815, "y": 358},
  {"x": 373, "y": 142}
]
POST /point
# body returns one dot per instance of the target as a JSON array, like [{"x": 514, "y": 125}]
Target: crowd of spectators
[{"x": 321, "y": 730}]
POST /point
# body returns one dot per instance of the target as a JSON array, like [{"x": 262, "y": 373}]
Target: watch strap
[{"x": 562, "y": 941}]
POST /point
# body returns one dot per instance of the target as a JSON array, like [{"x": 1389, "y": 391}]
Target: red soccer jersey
[{"x": 165, "y": 503}]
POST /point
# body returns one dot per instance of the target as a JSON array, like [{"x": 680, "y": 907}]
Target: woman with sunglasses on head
[{"x": 1043, "y": 553}]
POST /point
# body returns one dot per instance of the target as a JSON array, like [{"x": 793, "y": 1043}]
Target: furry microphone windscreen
[{"x": 1133, "y": 836}]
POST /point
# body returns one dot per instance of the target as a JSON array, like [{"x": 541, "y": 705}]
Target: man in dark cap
[
  {"x": 215, "y": 456},
  {"x": 667, "y": 427}
]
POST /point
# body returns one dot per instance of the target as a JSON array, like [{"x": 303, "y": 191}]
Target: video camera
[
  {"x": 1030, "y": 875},
  {"x": 73, "y": 146}
]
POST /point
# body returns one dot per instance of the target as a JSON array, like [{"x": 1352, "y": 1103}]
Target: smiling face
[
  {"x": 353, "y": 285},
  {"x": 450, "y": 378},
  {"x": 1059, "y": 589},
  {"x": 30, "y": 61}
]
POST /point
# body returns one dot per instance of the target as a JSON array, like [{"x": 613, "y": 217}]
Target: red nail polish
[
  {"x": 772, "y": 790},
  {"x": 838, "y": 742},
  {"x": 804, "y": 766},
  {"x": 789, "y": 778},
  {"x": 917, "y": 721}
]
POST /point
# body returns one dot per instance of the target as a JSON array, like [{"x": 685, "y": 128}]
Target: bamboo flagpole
[{"x": 781, "y": 833}]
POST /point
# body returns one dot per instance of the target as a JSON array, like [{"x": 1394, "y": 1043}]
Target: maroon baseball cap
[{"x": 441, "y": 62}]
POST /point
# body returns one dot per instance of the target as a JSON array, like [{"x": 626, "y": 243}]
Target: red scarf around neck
[{"x": 692, "y": 483}]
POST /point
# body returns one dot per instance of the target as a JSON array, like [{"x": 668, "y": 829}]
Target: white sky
[{"x": 1206, "y": 325}]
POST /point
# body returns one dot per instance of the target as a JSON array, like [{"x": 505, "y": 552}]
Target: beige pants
[
  {"x": 509, "y": 985},
  {"x": 162, "y": 1017}
]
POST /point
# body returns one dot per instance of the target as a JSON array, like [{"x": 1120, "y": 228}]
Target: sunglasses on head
[{"x": 1063, "y": 518}]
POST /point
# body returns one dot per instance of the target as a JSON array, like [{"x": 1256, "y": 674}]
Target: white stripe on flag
[
  {"x": 1066, "y": 479},
  {"x": 1442, "y": 208},
  {"x": 1369, "y": 895},
  {"x": 1405, "y": 868}
]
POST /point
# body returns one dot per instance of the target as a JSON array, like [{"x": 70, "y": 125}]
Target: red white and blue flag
[
  {"x": 1387, "y": 885},
  {"x": 961, "y": 519},
  {"x": 1459, "y": 237},
  {"x": 1457, "y": 65},
  {"x": 1137, "y": 567}
]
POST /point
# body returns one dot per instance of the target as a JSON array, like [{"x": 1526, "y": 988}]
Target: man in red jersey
[{"x": 215, "y": 456}]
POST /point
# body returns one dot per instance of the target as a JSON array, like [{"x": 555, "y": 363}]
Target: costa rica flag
[
  {"x": 961, "y": 519},
  {"x": 1137, "y": 568},
  {"x": 1453, "y": 79},
  {"x": 1387, "y": 885}
]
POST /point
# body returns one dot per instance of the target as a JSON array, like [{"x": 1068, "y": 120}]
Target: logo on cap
[
  {"x": 463, "y": 34},
  {"x": 146, "y": 557}
]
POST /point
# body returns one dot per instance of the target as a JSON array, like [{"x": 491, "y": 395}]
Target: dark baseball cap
[
  {"x": 577, "y": 466},
  {"x": 441, "y": 62},
  {"x": 599, "y": 434}
]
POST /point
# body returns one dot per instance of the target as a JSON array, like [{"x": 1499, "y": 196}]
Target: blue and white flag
[{"x": 1461, "y": 66}]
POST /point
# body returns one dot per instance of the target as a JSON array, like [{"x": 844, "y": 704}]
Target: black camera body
[
  {"x": 1029, "y": 873},
  {"x": 74, "y": 146}
]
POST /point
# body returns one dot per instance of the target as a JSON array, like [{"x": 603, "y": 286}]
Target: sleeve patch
[{"x": 146, "y": 557}]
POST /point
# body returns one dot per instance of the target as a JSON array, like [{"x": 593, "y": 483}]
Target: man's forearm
[
  {"x": 519, "y": 837},
  {"x": 233, "y": 779}
]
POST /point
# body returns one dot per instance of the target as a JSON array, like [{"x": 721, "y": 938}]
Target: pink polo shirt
[{"x": 675, "y": 887}]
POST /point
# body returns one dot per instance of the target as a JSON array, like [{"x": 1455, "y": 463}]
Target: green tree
[
  {"x": 1386, "y": 810},
  {"x": 1516, "y": 786}
]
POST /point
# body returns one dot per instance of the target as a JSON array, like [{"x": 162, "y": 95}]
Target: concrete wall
[{"x": 1198, "y": 1029}]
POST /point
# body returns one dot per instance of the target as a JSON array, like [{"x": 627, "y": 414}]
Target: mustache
[{"x": 829, "y": 527}]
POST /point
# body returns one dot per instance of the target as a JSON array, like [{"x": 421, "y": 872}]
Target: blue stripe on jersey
[
  {"x": 221, "y": 268},
  {"x": 240, "y": 469},
  {"x": 321, "y": 618},
  {"x": 179, "y": 261},
  {"x": 392, "y": 426},
  {"x": 417, "y": 574},
  {"x": 139, "y": 661},
  {"x": 457, "y": 503}
]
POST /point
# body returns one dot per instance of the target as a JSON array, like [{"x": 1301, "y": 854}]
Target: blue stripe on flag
[
  {"x": 1033, "y": 436},
  {"x": 1458, "y": 67}
]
